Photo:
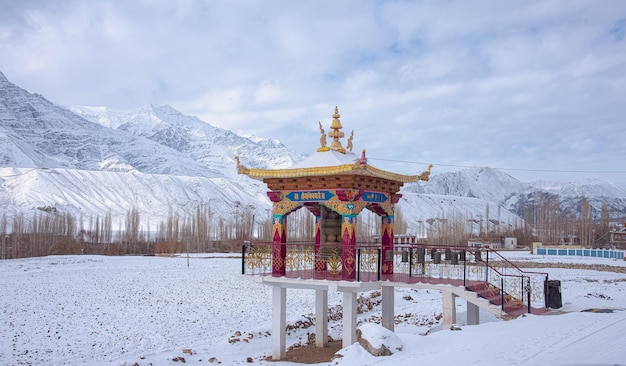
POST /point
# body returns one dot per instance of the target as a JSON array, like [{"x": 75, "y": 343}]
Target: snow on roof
[{"x": 327, "y": 158}]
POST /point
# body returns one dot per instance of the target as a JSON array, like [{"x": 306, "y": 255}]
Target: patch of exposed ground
[{"x": 310, "y": 354}]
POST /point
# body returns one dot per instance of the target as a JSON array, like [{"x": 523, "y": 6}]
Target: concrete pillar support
[
  {"x": 388, "y": 307},
  {"x": 349, "y": 319},
  {"x": 321, "y": 318},
  {"x": 449, "y": 309},
  {"x": 473, "y": 317},
  {"x": 279, "y": 322}
]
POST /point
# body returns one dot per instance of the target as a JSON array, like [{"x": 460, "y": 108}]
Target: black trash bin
[{"x": 554, "y": 294}]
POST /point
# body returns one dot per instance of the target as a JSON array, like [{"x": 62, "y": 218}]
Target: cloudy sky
[{"x": 535, "y": 88}]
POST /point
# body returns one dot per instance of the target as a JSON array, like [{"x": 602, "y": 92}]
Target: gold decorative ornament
[
  {"x": 360, "y": 166},
  {"x": 323, "y": 137},
  {"x": 350, "y": 141},
  {"x": 336, "y": 134}
]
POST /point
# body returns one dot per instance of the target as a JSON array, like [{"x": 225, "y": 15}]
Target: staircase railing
[
  {"x": 475, "y": 267},
  {"x": 531, "y": 288}
]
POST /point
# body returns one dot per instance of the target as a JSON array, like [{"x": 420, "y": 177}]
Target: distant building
[
  {"x": 402, "y": 239},
  {"x": 499, "y": 242},
  {"x": 569, "y": 240},
  {"x": 618, "y": 237},
  {"x": 510, "y": 243}
]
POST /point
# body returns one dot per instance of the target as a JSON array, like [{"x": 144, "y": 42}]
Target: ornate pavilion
[{"x": 336, "y": 185}]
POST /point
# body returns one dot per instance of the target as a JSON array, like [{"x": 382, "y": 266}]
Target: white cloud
[{"x": 486, "y": 83}]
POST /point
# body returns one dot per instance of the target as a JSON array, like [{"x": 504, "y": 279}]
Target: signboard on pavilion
[{"x": 309, "y": 196}]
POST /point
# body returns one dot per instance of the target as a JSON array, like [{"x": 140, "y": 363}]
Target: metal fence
[{"x": 483, "y": 271}]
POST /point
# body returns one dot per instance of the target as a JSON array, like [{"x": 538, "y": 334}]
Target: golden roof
[{"x": 358, "y": 167}]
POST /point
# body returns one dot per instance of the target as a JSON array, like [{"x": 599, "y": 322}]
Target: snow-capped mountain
[
  {"x": 588, "y": 188},
  {"x": 484, "y": 183},
  {"x": 91, "y": 161},
  {"x": 154, "y": 140},
  {"x": 597, "y": 192},
  {"x": 154, "y": 159},
  {"x": 208, "y": 145},
  {"x": 36, "y": 133},
  {"x": 501, "y": 191},
  {"x": 90, "y": 194}
]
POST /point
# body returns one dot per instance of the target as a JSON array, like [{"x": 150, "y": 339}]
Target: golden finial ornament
[
  {"x": 336, "y": 124},
  {"x": 336, "y": 134}
]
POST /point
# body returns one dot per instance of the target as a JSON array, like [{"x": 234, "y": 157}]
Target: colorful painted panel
[
  {"x": 309, "y": 196},
  {"x": 377, "y": 197},
  {"x": 344, "y": 202}
]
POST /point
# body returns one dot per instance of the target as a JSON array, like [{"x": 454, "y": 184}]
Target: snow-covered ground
[{"x": 93, "y": 310}]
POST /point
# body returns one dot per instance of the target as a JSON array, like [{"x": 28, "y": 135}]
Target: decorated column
[
  {"x": 320, "y": 263},
  {"x": 279, "y": 247},
  {"x": 348, "y": 247},
  {"x": 387, "y": 245}
]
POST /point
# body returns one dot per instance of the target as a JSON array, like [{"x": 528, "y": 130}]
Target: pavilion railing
[
  {"x": 482, "y": 270},
  {"x": 256, "y": 259},
  {"x": 475, "y": 268}
]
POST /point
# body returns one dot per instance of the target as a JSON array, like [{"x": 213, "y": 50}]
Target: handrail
[
  {"x": 525, "y": 279},
  {"x": 532, "y": 284},
  {"x": 513, "y": 265}
]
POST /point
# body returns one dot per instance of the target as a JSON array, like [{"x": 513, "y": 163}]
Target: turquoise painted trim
[{"x": 598, "y": 253}]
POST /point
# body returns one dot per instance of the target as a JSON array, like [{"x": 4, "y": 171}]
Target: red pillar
[
  {"x": 320, "y": 264},
  {"x": 279, "y": 247},
  {"x": 348, "y": 247},
  {"x": 387, "y": 245}
]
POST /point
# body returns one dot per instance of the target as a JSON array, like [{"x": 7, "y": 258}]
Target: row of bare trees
[
  {"x": 547, "y": 222},
  {"x": 542, "y": 219},
  {"x": 49, "y": 232}
]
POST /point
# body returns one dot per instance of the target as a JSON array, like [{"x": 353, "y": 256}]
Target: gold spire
[{"x": 335, "y": 126}]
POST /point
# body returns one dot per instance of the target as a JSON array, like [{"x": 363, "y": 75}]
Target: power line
[{"x": 515, "y": 169}]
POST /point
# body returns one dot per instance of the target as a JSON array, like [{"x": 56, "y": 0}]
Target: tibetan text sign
[
  {"x": 374, "y": 197},
  {"x": 309, "y": 196}
]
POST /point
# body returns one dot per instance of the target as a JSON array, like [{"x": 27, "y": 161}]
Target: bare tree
[
  {"x": 131, "y": 233},
  {"x": 602, "y": 236}
]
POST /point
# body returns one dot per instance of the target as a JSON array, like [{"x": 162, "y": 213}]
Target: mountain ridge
[
  {"x": 123, "y": 157},
  {"x": 203, "y": 142}
]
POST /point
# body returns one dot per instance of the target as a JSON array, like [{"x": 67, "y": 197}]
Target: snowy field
[{"x": 96, "y": 310}]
